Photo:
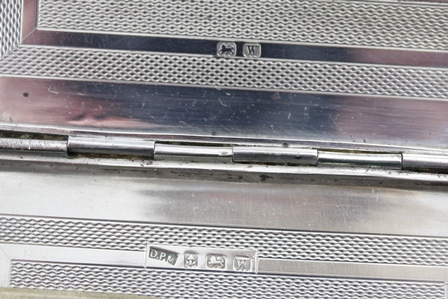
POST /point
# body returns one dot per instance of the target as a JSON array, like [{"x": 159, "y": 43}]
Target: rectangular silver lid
[{"x": 358, "y": 73}]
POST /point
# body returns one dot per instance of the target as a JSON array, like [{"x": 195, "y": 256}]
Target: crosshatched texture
[
  {"x": 195, "y": 284},
  {"x": 356, "y": 23},
  {"x": 208, "y": 71},
  {"x": 10, "y": 25},
  {"x": 269, "y": 243}
]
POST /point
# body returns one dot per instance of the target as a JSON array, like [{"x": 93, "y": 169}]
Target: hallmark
[
  {"x": 190, "y": 260},
  {"x": 201, "y": 258},
  {"x": 252, "y": 50},
  {"x": 242, "y": 263},
  {"x": 216, "y": 261},
  {"x": 163, "y": 255},
  {"x": 226, "y": 49}
]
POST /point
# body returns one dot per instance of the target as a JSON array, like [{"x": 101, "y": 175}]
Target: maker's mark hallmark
[
  {"x": 226, "y": 49},
  {"x": 163, "y": 255}
]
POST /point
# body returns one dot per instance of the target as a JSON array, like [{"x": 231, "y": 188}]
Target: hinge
[
  {"x": 425, "y": 163},
  {"x": 111, "y": 146},
  {"x": 104, "y": 147},
  {"x": 275, "y": 155},
  {"x": 192, "y": 153},
  {"x": 300, "y": 157},
  {"x": 369, "y": 160},
  {"x": 34, "y": 146}
]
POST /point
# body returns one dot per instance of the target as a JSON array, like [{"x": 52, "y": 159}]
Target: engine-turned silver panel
[
  {"x": 10, "y": 26},
  {"x": 205, "y": 285},
  {"x": 385, "y": 24},
  {"x": 192, "y": 70}
]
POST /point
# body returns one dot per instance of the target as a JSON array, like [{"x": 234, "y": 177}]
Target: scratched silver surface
[{"x": 332, "y": 74}]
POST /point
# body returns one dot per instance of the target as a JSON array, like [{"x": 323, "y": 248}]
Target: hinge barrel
[
  {"x": 51, "y": 147},
  {"x": 222, "y": 153},
  {"x": 274, "y": 155},
  {"x": 387, "y": 161},
  {"x": 425, "y": 163},
  {"x": 192, "y": 153},
  {"x": 111, "y": 146}
]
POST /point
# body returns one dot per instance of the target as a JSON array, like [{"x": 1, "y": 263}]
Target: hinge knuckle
[
  {"x": 111, "y": 146},
  {"x": 425, "y": 163},
  {"x": 36, "y": 146},
  {"x": 192, "y": 153},
  {"x": 368, "y": 160},
  {"x": 274, "y": 155}
]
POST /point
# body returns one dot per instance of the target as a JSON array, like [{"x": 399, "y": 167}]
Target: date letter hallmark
[
  {"x": 252, "y": 50},
  {"x": 242, "y": 263}
]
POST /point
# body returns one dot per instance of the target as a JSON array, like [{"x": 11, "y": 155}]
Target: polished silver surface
[
  {"x": 170, "y": 113},
  {"x": 349, "y": 270},
  {"x": 304, "y": 202},
  {"x": 29, "y": 16}
]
